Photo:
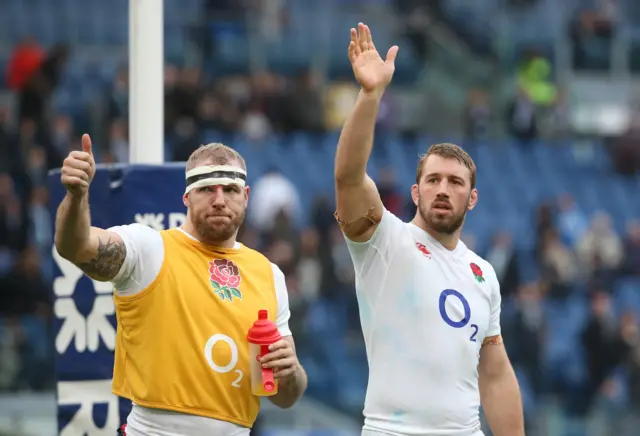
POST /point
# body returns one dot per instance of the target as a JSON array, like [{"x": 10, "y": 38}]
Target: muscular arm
[
  {"x": 499, "y": 391},
  {"x": 291, "y": 389},
  {"x": 97, "y": 252},
  {"x": 359, "y": 207}
]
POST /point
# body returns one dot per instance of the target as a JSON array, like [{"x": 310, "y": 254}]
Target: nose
[
  {"x": 218, "y": 196},
  {"x": 443, "y": 188}
]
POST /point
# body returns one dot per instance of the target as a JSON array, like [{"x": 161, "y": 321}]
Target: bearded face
[
  {"x": 217, "y": 211},
  {"x": 441, "y": 215},
  {"x": 444, "y": 195}
]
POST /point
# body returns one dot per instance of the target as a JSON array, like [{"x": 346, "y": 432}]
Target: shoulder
[
  {"x": 277, "y": 272},
  {"x": 279, "y": 284},
  {"x": 138, "y": 233},
  {"x": 256, "y": 256},
  {"x": 388, "y": 228}
]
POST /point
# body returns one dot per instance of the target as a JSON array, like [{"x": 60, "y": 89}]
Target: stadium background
[{"x": 543, "y": 94}]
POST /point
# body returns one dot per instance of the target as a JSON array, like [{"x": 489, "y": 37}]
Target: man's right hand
[
  {"x": 78, "y": 169},
  {"x": 373, "y": 73}
]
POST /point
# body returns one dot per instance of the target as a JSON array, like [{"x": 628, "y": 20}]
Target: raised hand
[
  {"x": 371, "y": 71},
  {"x": 78, "y": 169}
]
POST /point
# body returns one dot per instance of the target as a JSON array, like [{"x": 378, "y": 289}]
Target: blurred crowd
[{"x": 576, "y": 256}]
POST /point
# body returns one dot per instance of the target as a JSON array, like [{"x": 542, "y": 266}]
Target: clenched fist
[
  {"x": 78, "y": 169},
  {"x": 371, "y": 71}
]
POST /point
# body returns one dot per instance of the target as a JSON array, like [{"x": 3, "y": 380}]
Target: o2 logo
[
  {"x": 467, "y": 312},
  {"x": 233, "y": 360}
]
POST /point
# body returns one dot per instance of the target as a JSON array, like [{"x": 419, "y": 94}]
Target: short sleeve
[
  {"x": 494, "y": 328},
  {"x": 144, "y": 258},
  {"x": 282, "y": 296},
  {"x": 377, "y": 251}
]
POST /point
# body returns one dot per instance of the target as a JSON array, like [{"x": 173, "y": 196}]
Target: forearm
[
  {"x": 356, "y": 139},
  {"x": 73, "y": 226},
  {"x": 502, "y": 404},
  {"x": 291, "y": 390}
]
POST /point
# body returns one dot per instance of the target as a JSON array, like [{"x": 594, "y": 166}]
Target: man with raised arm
[
  {"x": 185, "y": 299},
  {"x": 429, "y": 306}
]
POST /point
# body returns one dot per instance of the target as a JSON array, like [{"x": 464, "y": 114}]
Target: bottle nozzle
[{"x": 263, "y": 314}]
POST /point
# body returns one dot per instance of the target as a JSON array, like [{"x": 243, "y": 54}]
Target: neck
[
  {"x": 191, "y": 230},
  {"x": 448, "y": 240}
]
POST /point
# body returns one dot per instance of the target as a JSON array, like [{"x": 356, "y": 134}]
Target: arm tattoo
[{"x": 107, "y": 261}]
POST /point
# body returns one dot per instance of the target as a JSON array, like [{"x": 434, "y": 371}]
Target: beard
[
  {"x": 447, "y": 223},
  {"x": 212, "y": 230}
]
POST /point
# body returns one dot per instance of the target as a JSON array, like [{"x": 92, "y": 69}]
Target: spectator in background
[
  {"x": 418, "y": 20},
  {"x": 340, "y": 96},
  {"x": 267, "y": 95},
  {"x": 309, "y": 268},
  {"x": 477, "y": 115},
  {"x": 61, "y": 133},
  {"x": 535, "y": 80},
  {"x": 600, "y": 249},
  {"x": 24, "y": 62},
  {"x": 271, "y": 194},
  {"x": 626, "y": 149},
  {"x": 35, "y": 92},
  {"x": 304, "y": 104},
  {"x": 181, "y": 100},
  {"x": 388, "y": 189},
  {"x": 24, "y": 290},
  {"x": 118, "y": 99},
  {"x": 543, "y": 222},
  {"x": 631, "y": 337},
  {"x": 602, "y": 344},
  {"x": 631, "y": 264},
  {"x": 118, "y": 143},
  {"x": 558, "y": 265},
  {"x": 14, "y": 225},
  {"x": 10, "y": 156},
  {"x": 594, "y": 24},
  {"x": 521, "y": 118},
  {"x": 503, "y": 257},
  {"x": 524, "y": 337},
  {"x": 11, "y": 341},
  {"x": 37, "y": 168},
  {"x": 41, "y": 229},
  {"x": 273, "y": 17},
  {"x": 255, "y": 124},
  {"x": 572, "y": 222}
]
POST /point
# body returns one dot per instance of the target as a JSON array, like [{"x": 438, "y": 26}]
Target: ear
[
  {"x": 415, "y": 193},
  {"x": 247, "y": 190},
  {"x": 473, "y": 199},
  {"x": 185, "y": 200}
]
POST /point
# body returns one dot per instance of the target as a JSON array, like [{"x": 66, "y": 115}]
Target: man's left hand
[{"x": 282, "y": 359}]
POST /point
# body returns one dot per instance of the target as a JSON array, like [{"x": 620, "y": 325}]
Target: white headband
[{"x": 211, "y": 175}]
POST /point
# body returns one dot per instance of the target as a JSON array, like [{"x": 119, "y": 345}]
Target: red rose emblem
[
  {"x": 477, "y": 273},
  {"x": 225, "y": 273},
  {"x": 423, "y": 249}
]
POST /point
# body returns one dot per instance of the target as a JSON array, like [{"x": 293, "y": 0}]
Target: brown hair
[
  {"x": 448, "y": 151},
  {"x": 219, "y": 154}
]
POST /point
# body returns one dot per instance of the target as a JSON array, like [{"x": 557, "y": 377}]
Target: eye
[
  {"x": 206, "y": 189},
  {"x": 432, "y": 180},
  {"x": 231, "y": 188}
]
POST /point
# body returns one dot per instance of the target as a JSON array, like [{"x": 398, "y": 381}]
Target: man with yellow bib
[{"x": 185, "y": 299}]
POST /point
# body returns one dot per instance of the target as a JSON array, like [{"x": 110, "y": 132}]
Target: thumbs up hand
[{"x": 78, "y": 169}]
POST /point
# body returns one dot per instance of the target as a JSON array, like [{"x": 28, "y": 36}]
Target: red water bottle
[{"x": 263, "y": 333}]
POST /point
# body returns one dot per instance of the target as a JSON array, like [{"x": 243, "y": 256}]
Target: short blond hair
[
  {"x": 217, "y": 153},
  {"x": 449, "y": 151}
]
